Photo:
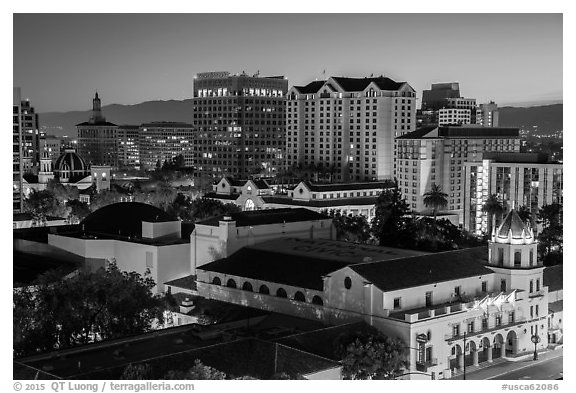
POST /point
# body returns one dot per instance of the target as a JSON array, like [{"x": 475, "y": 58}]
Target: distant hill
[
  {"x": 548, "y": 118},
  {"x": 144, "y": 112}
]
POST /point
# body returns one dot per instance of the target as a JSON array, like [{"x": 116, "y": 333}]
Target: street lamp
[
  {"x": 535, "y": 339},
  {"x": 464, "y": 355}
]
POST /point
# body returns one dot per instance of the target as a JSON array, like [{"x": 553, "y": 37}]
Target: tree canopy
[
  {"x": 198, "y": 372},
  {"x": 89, "y": 306},
  {"x": 350, "y": 228},
  {"x": 435, "y": 199},
  {"x": 494, "y": 208},
  {"x": 388, "y": 225}
]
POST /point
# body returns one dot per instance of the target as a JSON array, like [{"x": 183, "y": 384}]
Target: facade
[
  {"x": 436, "y": 155},
  {"x": 97, "y": 138},
  {"x": 129, "y": 146},
  {"x": 454, "y": 117},
  {"x": 487, "y": 115},
  {"x": 436, "y": 97},
  {"x": 221, "y": 236},
  {"x": 163, "y": 141},
  {"x": 519, "y": 179},
  {"x": 349, "y": 125},
  {"x": 135, "y": 236},
  {"x": 52, "y": 145},
  {"x": 30, "y": 138},
  {"x": 17, "y": 168},
  {"x": 464, "y": 311},
  {"x": 240, "y": 123}
]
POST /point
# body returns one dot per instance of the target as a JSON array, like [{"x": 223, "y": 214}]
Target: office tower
[
  {"x": 164, "y": 141},
  {"x": 436, "y": 155},
  {"x": 128, "y": 146},
  {"x": 30, "y": 138},
  {"x": 348, "y": 125},
  {"x": 517, "y": 179},
  {"x": 51, "y": 146},
  {"x": 487, "y": 115},
  {"x": 16, "y": 151},
  {"x": 97, "y": 138},
  {"x": 240, "y": 124},
  {"x": 436, "y": 97}
]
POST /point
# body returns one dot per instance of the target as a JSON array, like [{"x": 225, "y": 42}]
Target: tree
[
  {"x": 202, "y": 208},
  {"x": 42, "y": 204},
  {"x": 435, "y": 199},
  {"x": 371, "y": 355},
  {"x": 198, "y": 372},
  {"x": 550, "y": 215},
  {"x": 78, "y": 210},
  {"x": 105, "y": 198},
  {"x": 551, "y": 238},
  {"x": 493, "y": 207},
  {"x": 389, "y": 219},
  {"x": 90, "y": 306},
  {"x": 350, "y": 228},
  {"x": 137, "y": 372},
  {"x": 525, "y": 214}
]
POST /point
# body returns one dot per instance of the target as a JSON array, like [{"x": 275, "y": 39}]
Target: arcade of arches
[{"x": 485, "y": 349}]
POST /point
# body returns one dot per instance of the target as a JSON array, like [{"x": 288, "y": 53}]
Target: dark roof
[
  {"x": 553, "y": 277},
  {"x": 267, "y": 217},
  {"x": 359, "y": 84},
  {"x": 323, "y": 342},
  {"x": 124, "y": 218},
  {"x": 462, "y": 132},
  {"x": 235, "y": 182},
  {"x": 22, "y": 217},
  {"x": 427, "y": 269},
  {"x": 129, "y": 127},
  {"x": 520, "y": 158},
  {"x": 320, "y": 203},
  {"x": 346, "y": 186},
  {"x": 261, "y": 184},
  {"x": 72, "y": 161},
  {"x": 228, "y": 197},
  {"x": 513, "y": 223},
  {"x": 300, "y": 262},
  {"x": 97, "y": 123},
  {"x": 556, "y": 306},
  {"x": 188, "y": 282},
  {"x": 30, "y": 178},
  {"x": 249, "y": 262},
  {"x": 310, "y": 88}
]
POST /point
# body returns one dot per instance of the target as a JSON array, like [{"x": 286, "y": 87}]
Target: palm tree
[
  {"x": 436, "y": 199},
  {"x": 492, "y": 207}
]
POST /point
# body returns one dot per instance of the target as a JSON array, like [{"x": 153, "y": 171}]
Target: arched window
[
  {"x": 299, "y": 297},
  {"x": 517, "y": 259},
  {"x": 231, "y": 283},
  {"x": 216, "y": 281},
  {"x": 281, "y": 293},
  {"x": 317, "y": 300},
  {"x": 347, "y": 283},
  {"x": 247, "y": 286},
  {"x": 531, "y": 257},
  {"x": 264, "y": 289},
  {"x": 249, "y": 205}
]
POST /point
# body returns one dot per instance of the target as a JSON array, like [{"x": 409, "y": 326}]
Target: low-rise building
[{"x": 459, "y": 307}]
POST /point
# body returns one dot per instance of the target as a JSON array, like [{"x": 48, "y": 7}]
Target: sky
[{"x": 60, "y": 60}]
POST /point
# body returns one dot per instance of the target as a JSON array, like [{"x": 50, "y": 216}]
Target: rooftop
[
  {"x": 519, "y": 158},
  {"x": 166, "y": 124},
  {"x": 346, "y": 186},
  {"x": 266, "y": 217},
  {"x": 321, "y": 203},
  {"x": 513, "y": 226},
  {"x": 96, "y": 123},
  {"x": 436, "y": 132},
  {"x": 188, "y": 282}
]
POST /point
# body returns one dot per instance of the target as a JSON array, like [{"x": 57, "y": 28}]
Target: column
[
  {"x": 475, "y": 357},
  {"x": 489, "y": 349}
]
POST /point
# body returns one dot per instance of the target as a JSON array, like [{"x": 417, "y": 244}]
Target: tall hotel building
[
  {"x": 240, "y": 123},
  {"x": 520, "y": 179},
  {"x": 349, "y": 124},
  {"x": 97, "y": 138},
  {"x": 162, "y": 141},
  {"x": 17, "y": 170},
  {"x": 128, "y": 146},
  {"x": 437, "y": 155}
]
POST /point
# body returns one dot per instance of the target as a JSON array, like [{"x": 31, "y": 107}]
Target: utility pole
[{"x": 464, "y": 355}]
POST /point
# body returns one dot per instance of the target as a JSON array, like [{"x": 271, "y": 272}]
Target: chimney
[{"x": 186, "y": 306}]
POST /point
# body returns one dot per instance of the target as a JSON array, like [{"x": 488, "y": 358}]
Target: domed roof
[
  {"x": 70, "y": 161},
  {"x": 513, "y": 228},
  {"x": 123, "y": 218}
]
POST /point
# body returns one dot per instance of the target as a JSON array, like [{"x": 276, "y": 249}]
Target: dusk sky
[{"x": 61, "y": 59}]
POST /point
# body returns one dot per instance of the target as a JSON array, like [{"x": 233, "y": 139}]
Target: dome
[
  {"x": 124, "y": 218},
  {"x": 513, "y": 228},
  {"x": 71, "y": 161}
]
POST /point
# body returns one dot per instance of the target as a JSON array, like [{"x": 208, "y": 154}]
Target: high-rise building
[
  {"x": 349, "y": 125},
  {"x": 50, "y": 147},
  {"x": 129, "y": 146},
  {"x": 163, "y": 141},
  {"x": 437, "y": 155},
  {"x": 240, "y": 124},
  {"x": 436, "y": 97},
  {"x": 487, "y": 115},
  {"x": 30, "y": 138},
  {"x": 97, "y": 138},
  {"x": 517, "y": 179},
  {"x": 17, "y": 170}
]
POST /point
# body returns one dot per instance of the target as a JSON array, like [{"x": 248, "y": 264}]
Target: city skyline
[{"x": 130, "y": 62}]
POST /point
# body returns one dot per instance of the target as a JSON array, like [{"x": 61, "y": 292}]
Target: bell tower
[
  {"x": 96, "y": 111},
  {"x": 45, "y": 173}
]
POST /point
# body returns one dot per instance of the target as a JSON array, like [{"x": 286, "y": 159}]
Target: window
[
  {"x": 470, "y": 327},
  {"x": 531, "y": 257},
  {"x": 247, "y": 286},
  {"x": 264, "y": 290},
  {"x": 484, "y": 323},
  {"x": 500, "y": 257},
  {"x": 397, "y": 303},
  {"x": 347, "y": 283},
  {"x": 149, "y": 260},
  {"x": 503, "y": 285},
  {"x": 281, "y": 293},
  {"x": 531, "y": 311},
  {"x": 537, "y": 307},
  {"x": 455, "y": 330},
  {"x": 517, "y": 259},
  {"x": 531, "y": 286},
  {"x": 457, "y": 291},
  {"x": 484, "y": 286},
  {"x": 317, "y": 300},
  {"x": 498, "y": 320},
  {"x": 299, "y": 297},
  {"x": 428, "y": 299},
  {"x": 231, "y": 283},
  {"x": 537, "y": 285},
  {"x": 511, "y": 317},
  {"x": 216, "y": 281}
]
